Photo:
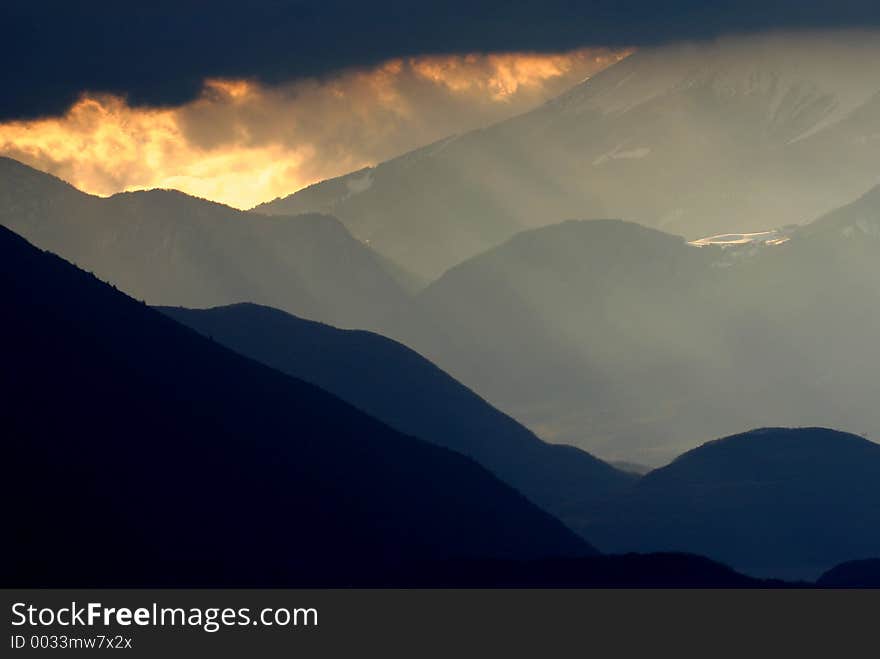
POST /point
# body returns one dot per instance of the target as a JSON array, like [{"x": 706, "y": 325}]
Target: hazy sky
[{"x": 244, "y": 101}]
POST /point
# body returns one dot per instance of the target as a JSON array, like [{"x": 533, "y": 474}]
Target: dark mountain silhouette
[
  {"x": 631, "y": 467},
  {"x": 138, "y": 452},
  {"x": 166, "y": 247},
  {"x": 784, "y": 502},
  {"x": 154, "y": 456},
  {"x": 758, "y": 501},
  {"x": 864, "y": 573},
  {"x": 634, "y": 345},
  {"x": 631, "y": 570},
  {"x": 738, "y": 134},
  {"x": 399, "y": 387}
]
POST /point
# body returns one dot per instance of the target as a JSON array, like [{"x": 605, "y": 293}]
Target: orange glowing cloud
[{"x": 242, "y": 143}]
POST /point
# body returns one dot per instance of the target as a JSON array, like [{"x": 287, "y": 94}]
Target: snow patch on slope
[
  {"x": 769, "y": 238},
  {"x": 618, "y": 153},
  {"x": 359, "y": 184}
]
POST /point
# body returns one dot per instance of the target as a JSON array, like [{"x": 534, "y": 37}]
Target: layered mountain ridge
[
  {"x": 785, "y": 502},
  {"x": 735, "y": 135},
  {"x": 633, "y": 345},
  {"x": 399, "y": 387},
  {"x": 157, "y": 457},
  {"x": 165, "y": 247}
]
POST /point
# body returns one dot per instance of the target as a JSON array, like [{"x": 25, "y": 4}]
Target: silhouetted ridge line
[
  {"x": 166, "y": 247},
  {"x": 398, "y": 386},
  {"x": 155, "y": 456}
]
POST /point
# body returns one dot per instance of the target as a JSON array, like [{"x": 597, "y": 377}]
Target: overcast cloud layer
[
  {"x": 241, "y": 142},
  {"x": 160, "y": 52}
]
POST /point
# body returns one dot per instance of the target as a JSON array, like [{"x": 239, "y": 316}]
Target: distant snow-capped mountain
[{"x": 734, "y": 135}]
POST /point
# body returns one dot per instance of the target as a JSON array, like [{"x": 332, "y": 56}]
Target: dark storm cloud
[{"x": 160, "y": 52}]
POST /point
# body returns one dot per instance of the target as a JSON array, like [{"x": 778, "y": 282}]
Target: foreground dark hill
[
  {"x": 790, "y": 503},
  {"x": 138, "y": 452},
  {"x": 399, "y": 387},
  {"x": 864, "y": 573},
  {"x": 738, "y": 134},
  {"x": 165, "y": 247},
  {"x": 660, "y": 570}
]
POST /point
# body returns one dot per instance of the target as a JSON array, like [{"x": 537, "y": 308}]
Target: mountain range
[
  {"x": 596, "y": 334},
  {"x": 166, "y": 247},
  {"x": 783, "y": 503},
  {"x": 736, "y": 134},
  {"x": 247, "y": 430},
  {"x": 155, "y": 456},
  {"x": 401, "y": 388},
  {"x": 635, "y": 345}
]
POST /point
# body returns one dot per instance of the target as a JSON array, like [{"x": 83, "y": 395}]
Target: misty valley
[{"x": 628, "y": 338}]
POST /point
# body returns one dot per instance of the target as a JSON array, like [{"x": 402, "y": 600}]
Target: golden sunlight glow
[
  {"x": 242, "y": 143},
  {"x": 509, "y": 72}
]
